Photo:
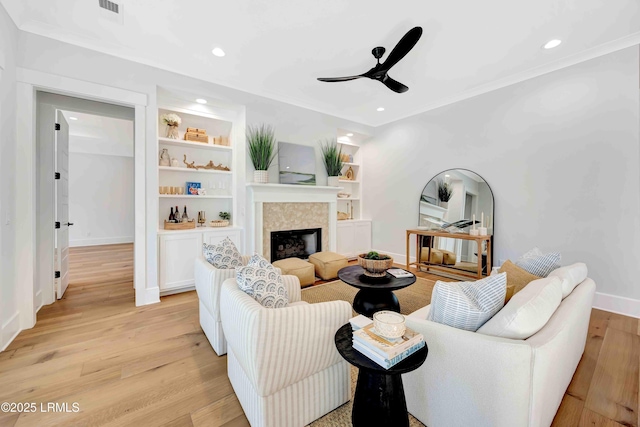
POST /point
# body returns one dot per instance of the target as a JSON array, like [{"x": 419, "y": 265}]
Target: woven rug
[{"x": 411, "y": 299}]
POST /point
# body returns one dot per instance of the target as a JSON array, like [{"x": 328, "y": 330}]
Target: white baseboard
[
  {"x": 615, "y": 304},
  {"x": 38, "y": 301},
  {"x": 100, "y": 241},
  {"x": 397, "y": 258},
  {"x": 9, "y": 331},
  {"x": 147, "y": 296}
]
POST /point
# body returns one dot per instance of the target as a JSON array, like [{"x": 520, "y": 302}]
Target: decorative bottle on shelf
[
  {"x": 185, "y": 217},
  {"x": 176, "y": 214},
  {"x": 171, "y": 216}
]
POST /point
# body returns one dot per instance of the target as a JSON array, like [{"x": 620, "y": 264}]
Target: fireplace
[{"x": 295, "y": 243}]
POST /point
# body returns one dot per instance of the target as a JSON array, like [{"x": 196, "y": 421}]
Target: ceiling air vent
[{"x": 111, "y": 10}]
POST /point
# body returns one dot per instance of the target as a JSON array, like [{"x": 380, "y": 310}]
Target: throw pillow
[
  {"x": 571, "y": 276},
  {"x": 467, "y": 305},
  {"x": 527, "y": 312},
  {"x": 516, "y": 276},
  {"x": 539, "y": 264},
  {"x": 260, "y": 280},
  {"x": 223, "y": 255}
]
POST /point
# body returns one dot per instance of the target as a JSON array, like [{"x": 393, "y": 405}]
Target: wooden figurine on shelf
[
  {"x": 349, "y": 174},
  {"x": 211, "y": 165},
  {"x": 189, "y": 165}
]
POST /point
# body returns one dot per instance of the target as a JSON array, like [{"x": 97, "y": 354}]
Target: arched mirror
[{"x": 449, "y": 203}]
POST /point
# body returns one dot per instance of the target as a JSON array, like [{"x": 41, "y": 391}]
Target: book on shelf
[
  {"x": 386, "y": 347},
  {"x": 359, "y": 322},
  {"x": 399, "y": 273},
  {"x": 380, "y": 360}
]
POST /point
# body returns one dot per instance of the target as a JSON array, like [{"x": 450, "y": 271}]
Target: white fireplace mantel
[{"x": 258, "y": 194}]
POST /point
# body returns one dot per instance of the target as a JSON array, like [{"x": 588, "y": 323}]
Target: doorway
[{"x": 85, "y": 170}]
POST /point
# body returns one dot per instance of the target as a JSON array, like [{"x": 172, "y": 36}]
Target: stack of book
[{"x": 386, "y": 352}]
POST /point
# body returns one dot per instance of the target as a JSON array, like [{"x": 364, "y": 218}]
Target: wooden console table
[{"x": 438, "y": 267}]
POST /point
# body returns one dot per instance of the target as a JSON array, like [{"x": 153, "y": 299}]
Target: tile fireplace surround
[{"x": 277, "y": 207}]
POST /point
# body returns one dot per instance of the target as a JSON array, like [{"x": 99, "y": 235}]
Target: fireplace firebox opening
[{"x": 295, "y": 243}]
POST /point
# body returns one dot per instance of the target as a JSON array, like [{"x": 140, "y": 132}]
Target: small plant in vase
[
  {"x": 262, "y": 150},
  {"x": 445, "y": 193},
  {"x": 375, "y": 264},
  {"x": 333, "y": 161},
  {"x": 172, "y": 121},
  {"x": 223, "y": 221}
]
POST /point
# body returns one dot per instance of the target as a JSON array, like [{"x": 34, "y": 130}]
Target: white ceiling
[{"x": 279, "y": 48}]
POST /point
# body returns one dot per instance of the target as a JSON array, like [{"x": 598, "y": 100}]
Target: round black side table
[
  {"x": 375, "y": 294},
  {"x": 379, "y": 399}
]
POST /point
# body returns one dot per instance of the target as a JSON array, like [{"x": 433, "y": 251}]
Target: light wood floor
[{"x": 152, "y": 366}]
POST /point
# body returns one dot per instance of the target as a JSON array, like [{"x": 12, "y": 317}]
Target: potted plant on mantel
[
  {"x": 445, "y": 193},
  {"x": 262, "y": 150},
  {"x": 332, "y": 159}
]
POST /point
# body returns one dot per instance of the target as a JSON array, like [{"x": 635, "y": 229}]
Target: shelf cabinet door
[
  {"x": 345, "y": 239},
  {"x": 214, "y": 237},
  {"x": 177, "y": 257},
  {"x": 361, "y": 237},
  {"x": 353, "y": 238}
]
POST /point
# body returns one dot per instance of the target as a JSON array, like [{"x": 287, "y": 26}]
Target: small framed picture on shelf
[{"x": 192, "y": 188}]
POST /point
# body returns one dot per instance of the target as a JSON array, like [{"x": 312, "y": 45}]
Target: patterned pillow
[
  {"x": 223, "y": 255},
  {"x": 260, "y": 280},
  {"x": 467, "y": 305},
  {"x": 539, "y": 264}
]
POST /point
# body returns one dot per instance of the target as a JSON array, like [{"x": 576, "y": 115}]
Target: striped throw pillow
[
  {"x": 539, "y": 264},
  {"x": 467, "y": 305}
]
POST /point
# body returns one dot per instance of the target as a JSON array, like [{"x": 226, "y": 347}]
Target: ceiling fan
[{"x": 379, "y": 72}]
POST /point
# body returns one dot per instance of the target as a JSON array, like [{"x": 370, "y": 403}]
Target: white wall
[
  {"x": 100, "y": 199},
  {"x": 560, "y": 152},
  {"x": 9, "y": 316},
  {"x": 292, "y": 124}
]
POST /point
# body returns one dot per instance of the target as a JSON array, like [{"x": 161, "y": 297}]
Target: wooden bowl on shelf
[
  {"x": 219, "y": 223},
  {"x": 375, "y": 267}
]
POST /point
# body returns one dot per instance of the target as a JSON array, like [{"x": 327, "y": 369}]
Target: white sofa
[
  {"x": 283, "y": 363},
  {"x": 470, "y": 379}
]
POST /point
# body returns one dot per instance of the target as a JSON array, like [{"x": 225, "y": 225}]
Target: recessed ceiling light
[
  {"x": 349, "y": 134},
  {"x": 552, "y": 43},
  {"x": 380, "y": 109},
  {"x": 218, "y": 52},
  {"x": 201, "y": 101},
  {"x": 73, "y": 118},
  {"x": 446, "y": 176}
]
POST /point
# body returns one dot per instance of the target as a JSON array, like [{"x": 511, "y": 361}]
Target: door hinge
[
  {"x": 57, "y": 275},
  {"x": 57, "y": 126},
  {"x": 57, "y": 175},
  {"x": 57, "y": 224}
]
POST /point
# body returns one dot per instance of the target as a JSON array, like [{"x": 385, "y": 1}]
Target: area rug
[{"x": 411, "y": 299}]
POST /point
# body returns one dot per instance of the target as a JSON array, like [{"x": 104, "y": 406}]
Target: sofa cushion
[
  {"x": 517, "y": 277},
  {"x": 571, "y": 276},
  {"x": 527, "y": 312},
  {"x": 467, "y": 305},
  {"x": 222, "y": 255},
  {"x": 261, "y": 280},
  {"x": 535, "y": 262}
]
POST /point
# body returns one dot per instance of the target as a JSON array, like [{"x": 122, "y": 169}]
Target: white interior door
[{"x": 62, "y": 205}]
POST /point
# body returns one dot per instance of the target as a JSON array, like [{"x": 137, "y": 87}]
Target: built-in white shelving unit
[{"x": 177, "y": 249}]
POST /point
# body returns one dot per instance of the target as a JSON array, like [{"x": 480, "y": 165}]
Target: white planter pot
[
  {"x": 261, "y": 177},
  {"x": 444, "y": 205},
  {"x": 333, "y": 181}
]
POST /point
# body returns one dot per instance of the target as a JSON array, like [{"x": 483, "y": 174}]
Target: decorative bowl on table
[
  {"x": 389, "y": 324},
  {"x": 219, "y": 223},
  {"x": 375, "y": 265},
  {"x": 343, "y": 195}
]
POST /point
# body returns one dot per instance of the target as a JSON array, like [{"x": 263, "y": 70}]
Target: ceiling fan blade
[
  {"x": 338, "y": 79},
  {"x": 394, "y": 85},
  {"x": 406, "y": 43}
]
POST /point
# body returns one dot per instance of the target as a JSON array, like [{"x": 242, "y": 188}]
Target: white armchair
[
  {"x": 283, "y": 363},
  {"x": 208, "y": 283}
]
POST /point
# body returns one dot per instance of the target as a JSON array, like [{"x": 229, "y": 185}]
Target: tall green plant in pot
[
  {"x": 332, "y": 159},
  {"x": 262, "y": 150},
  {"x": 445, "y": 193}
]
